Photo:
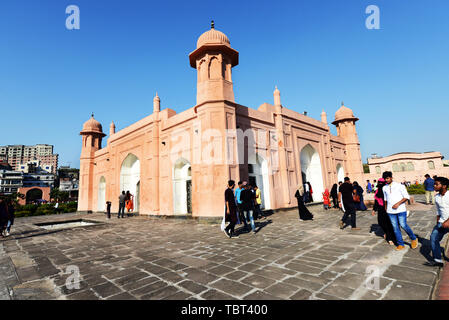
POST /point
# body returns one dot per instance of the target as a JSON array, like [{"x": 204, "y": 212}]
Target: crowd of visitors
[
  {"x": 390, "y": 198},
  {"x": 242, "y": 205}
]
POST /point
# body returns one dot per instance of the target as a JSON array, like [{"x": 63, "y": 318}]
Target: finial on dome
[
  {"x": 212, "y": 24},
  {"x": 342, "y": 103},
  {"x": 92, "y": 114}
]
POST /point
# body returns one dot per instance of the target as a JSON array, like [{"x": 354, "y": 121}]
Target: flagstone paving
[{"x": 156, "y": 258}]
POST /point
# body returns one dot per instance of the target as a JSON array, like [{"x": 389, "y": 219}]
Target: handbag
[{"x": 356, "y": 197}]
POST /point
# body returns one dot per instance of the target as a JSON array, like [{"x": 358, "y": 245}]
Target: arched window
[
  {"x": 431, "y": 165},
  {"x": 403, "y": 166},
  {"x": 410, "y": 166},
  {"x": 396, "y": 167},
  {"x": 378, "y": 169},
  {"x": 215, "y": 71}
]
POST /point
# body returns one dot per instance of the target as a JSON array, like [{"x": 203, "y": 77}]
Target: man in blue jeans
[
  {"x": 396, "y": 196},
  {"x": 430, "y": 191},
  {"x": 442, "y": 227},
  {"x": 247, "y": 198},
  {"x": 121, "y": 205}
]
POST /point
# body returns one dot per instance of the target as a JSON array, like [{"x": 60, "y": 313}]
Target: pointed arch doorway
[
  {"x": 258, "y": 175},
  {"x": 311, "y": 170},
  {"x": 182, "y": 187},
  {"x": 101, "y": 203},
  {"x": 130, "y": 178}
]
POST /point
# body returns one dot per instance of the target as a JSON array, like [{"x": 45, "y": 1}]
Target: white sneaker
[{"x": 6, "y": 233}]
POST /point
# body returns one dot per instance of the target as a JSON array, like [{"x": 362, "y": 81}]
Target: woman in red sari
[{"x": 129, "y": 203}]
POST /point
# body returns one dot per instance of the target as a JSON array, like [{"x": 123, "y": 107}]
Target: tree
[
  {"x": 55, "y": 194},
  {"x": 365, "y": 168},
  {"x": 63, "y": 196},
  {"x": 14, "y": 197}
]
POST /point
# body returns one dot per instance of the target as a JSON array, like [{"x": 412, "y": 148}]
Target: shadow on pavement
[
  {"x": 425, "y": 248},
  {"x": 259, "y": 226}
]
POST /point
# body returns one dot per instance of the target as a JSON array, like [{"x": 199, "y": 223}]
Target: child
[
  {"x": 108, "y": 208},
  {"x": 442, "y": 227},
  {"x": 326, "y": 199}
]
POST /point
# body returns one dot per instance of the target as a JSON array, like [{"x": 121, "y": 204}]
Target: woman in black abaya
[{"x": 304, "y": 213}]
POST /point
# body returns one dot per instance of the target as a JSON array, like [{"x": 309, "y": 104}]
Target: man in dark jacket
[
  {"x": 247, "y": 197},
  {"x": 346, "y": 202},
  {"x": 430, "y": 192}
]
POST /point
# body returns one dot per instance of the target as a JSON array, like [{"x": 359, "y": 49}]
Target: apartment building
[{"x": 17, "y": 155}]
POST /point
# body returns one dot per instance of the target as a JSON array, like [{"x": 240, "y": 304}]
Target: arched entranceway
[
  {"x": 33, "y": 195},
  {"x": 130, "y": 178},
  {"x": 182, "y": 187},
  {"x": 258, "y": 175},
  {"x": 311, "y": 170},
  {"x": 340, "y": 173},
  {"x": 101, "y": 205}
]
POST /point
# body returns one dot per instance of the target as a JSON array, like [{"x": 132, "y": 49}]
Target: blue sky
[{"x": 318, "y": 53}]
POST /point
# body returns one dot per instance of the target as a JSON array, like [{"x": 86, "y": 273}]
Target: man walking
[
  {"x": 247, "y": 197},
  {"x": 369, "y": 187},
  {"x": 396, "y": 196},
  {"x": 442, "y": 226},
  {"x": 121, "y": 205},
  {"x": 258, "y": 202},
  {"x": 346, "y": 203},
  {"x": 231, "y": 210},
  {"x": 238, "y": 191},
  {"x": 430, "y": 191}
]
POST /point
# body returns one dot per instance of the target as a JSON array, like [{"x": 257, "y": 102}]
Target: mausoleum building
[{"x": 179, "y": 164}]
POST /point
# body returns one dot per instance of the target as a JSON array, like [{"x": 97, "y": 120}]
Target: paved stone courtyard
[{"x": 156, "y": 258}]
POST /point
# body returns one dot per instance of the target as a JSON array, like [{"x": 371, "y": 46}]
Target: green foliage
[
  {"x": 365, "y": 168},
  {"x": 14, "y": 197},
  {"x": 28, "y": 207},
  {"x": 58, "y": 195},
  {"x": 45, "y": 209},
  {"x": 416, "y": 189}
]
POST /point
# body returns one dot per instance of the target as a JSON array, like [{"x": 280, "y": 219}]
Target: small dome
[
  {"x": 344, "y": 113},
  {"x": 213, "y": 36},
  {"x": 92, "y": 125}
]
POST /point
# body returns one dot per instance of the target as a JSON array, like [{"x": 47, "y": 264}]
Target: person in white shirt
[
  {"x": 396, "y": 196},
  {"x": 442, "y": 227}
]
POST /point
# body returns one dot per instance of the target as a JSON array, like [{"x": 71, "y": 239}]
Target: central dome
[{"x": 213, "y": 36}]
